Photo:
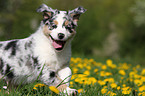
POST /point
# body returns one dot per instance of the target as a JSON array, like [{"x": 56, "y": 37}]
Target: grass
[{"x": 93, "y": 78}]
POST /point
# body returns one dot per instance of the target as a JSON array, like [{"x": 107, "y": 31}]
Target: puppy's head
[{"x": 59, "y": 26}]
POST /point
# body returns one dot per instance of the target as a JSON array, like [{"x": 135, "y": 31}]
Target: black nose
[{"x": 61, "y": 35}]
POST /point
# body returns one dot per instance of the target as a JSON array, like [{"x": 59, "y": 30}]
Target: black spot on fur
[
  {"x": 35, "y": 60},
  {"x": 1, "y": 45},
  {"x": 58, "y": 12},
  {"x": 9, "y": 72},
  {"x": 12, "y": 45},
  {"x": 79, "y": 8},
  {"x": 1, "y": 65},
  {"x": 44, "y": 20},
  {"x": 21, "y": 60},
  {"x": 52, "y": 74},
  {"x": 28, "y": 44}
]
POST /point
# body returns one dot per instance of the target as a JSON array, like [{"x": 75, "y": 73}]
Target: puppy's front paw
[
  {"x": 66, "y": 90},
  {"x": 70, "y": 92}
]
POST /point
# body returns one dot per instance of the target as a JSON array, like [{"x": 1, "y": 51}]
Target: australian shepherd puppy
[{"x": 46, "y": 53}]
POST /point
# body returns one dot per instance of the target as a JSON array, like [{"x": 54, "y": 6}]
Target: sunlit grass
[{"x": 93, "y": 78}]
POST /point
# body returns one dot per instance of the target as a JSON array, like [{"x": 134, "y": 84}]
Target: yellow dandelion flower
[
  {"x": 142, "y": 88},
  {"x": 110, "y": 80},
  {"x": 38, "y": 85},
  {"x": 126, "y": 88},
  {"x": 108, "y": 73},
  {"x": 88, "y": 67},
  {"x": 143, "y": 93},
  {"x": 85, "y": 64},
  {"x": 103, "y": 73},
  {"x": 137, "y": 66},
  {"x": 138, "y": 82},
  {"x": 113, "y": 66},
  {"x": 137, "y": 76},
  {"x": 104, "y": 67},
  {"x": 124, "y": 85},
  {"x": 71, "y": 83},
  {"x": 75, "y": 70},
  {"x": 54, "y": 89},
  {"x": 81, "y": 75},
  {"x": 92, "y": 80},
  {"x": 131, "y": 74},
  {"x": 80, "y": 65},
  {"x": 72, "y": 59},
  {"x": 87, "y": 72},
  {"x": 140, "y": 94},
  {"x": 118, "y": 88},
  {"x": 77, "y": 80},
  {"x": 98, "y": 64},
  {"x": 103, "y": 91},
  {"x": 80, "y": 90},
  {"x": 113, "y": 85},
  {"x": 122, "y": 77},
  {"x": 130, "y": 79},
  {"x": 111, "y": 93},
  {"x": 101, "y": 82},
  {"x": 109, "y": 62},
  {"x": 91, "y": 60},
  {"x": 34, "y": 88},
  {"x": 73, "y": 76},
  {"x": 126, "y": 92},
  {"x": 105, "y": 87},
  {"x": 96, "y": 70},
  {"x": 124, "y": 66},
  {"x": 122, "y": 72},
  {"x": 142, "y": 78},
  {"x": 77, "y": 60},
  {"x": 143, "y": 72},
  {"x": 87, "y": 82}
]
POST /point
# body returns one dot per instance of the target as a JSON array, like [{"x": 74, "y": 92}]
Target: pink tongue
[{"x": 57, "y": 44}]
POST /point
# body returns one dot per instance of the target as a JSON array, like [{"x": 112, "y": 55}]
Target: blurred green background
[{"x": 109, "y": 28}]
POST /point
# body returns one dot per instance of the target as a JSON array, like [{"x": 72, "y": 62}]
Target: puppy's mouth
[{"x": 57, "y": 44}]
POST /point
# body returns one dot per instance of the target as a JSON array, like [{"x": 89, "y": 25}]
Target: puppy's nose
[{"x": 61, "y": 35}]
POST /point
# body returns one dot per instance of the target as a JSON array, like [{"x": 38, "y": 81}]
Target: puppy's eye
[
  {"x": 69, "y": 29},
  {"x": 54, "y": 26}
]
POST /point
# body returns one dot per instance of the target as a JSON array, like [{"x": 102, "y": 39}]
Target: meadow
[{"x": 92, "y": 78}]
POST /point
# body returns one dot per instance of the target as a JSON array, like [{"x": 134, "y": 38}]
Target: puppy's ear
[
  {"x": 48, "y": 12},
  {"x": 75, "y": 14}
]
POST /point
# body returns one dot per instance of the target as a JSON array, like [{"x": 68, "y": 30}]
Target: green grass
[
  {"x": 105, "y": 78},
  {"x": 27, "y": 90}
]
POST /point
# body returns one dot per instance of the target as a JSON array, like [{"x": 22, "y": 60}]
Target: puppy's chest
[{"x": 56, "y": 62}]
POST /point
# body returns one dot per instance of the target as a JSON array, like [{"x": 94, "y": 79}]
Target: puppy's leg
[
  {"x": 52, "y": 78},
  {"x": 66, "y": 73}
]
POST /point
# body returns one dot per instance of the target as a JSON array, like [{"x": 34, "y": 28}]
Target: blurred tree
[
  {"x": 139, "y": 10},
  {"x": 8, "y": 9}
]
